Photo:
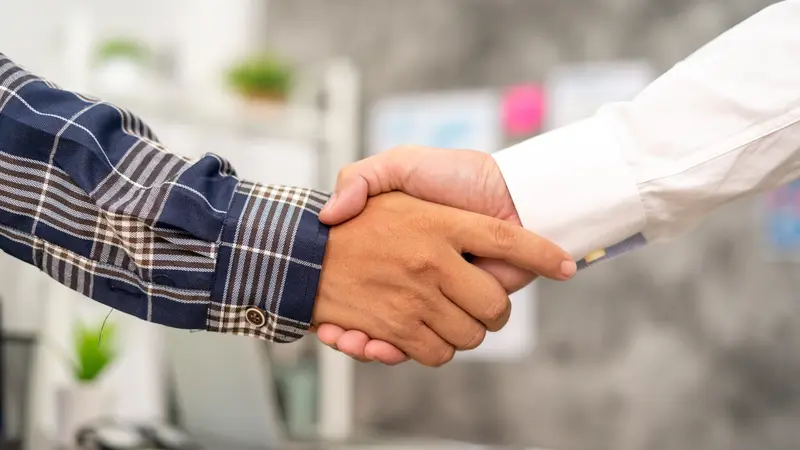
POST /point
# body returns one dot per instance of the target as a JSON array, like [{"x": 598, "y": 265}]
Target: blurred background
[{"x": 690, "y": 345}]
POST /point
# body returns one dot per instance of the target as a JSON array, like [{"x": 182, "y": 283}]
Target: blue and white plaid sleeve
[{"x": 89, "y": 196}]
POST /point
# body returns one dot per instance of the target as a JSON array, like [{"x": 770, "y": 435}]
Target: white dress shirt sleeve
[{"x": 719, "y": 125}]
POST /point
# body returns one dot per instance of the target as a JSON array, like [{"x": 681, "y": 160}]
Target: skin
[{"x": 462, "y": 179}]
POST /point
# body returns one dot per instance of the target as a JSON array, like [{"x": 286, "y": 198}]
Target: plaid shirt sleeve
[{"x": 90, "y": 197}]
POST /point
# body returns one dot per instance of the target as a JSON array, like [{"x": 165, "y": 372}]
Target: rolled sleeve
[{"x": 269, "y": 262}]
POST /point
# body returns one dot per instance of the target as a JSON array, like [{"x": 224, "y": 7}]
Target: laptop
[
  {"x": 225, "y": 395},
  {"x": 224, "y": 390}
]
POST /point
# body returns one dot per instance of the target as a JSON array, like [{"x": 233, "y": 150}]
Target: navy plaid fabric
[{"x": 89, "y": 196}]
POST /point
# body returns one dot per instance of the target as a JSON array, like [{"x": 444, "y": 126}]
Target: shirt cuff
[
  {"x": 269, "y": 263},
  {"x": 573, "y": 187}
]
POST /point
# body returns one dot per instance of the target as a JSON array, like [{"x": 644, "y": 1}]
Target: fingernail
[
  {"x": 568, "y": 268},
  {"x": 329, "y": 203}
]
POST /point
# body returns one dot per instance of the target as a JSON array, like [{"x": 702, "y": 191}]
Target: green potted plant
[
  {"x": 122, "y": 64},
  {"x": 122, "y": 48},
  {"x": 262, "y": 79},
  {"x": 95, "y": 351},
  {"x": 85, "y": 400}
]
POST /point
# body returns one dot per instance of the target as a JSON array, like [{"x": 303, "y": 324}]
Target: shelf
[
  {"x": 290, "y": 121},
  {"x": 16, "y": 337}
]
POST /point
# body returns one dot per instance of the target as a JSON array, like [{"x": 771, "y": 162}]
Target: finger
[
  {"x": 374, "y": 350},
  {"x": 455, "y": 326},
  {"x": 328, "y": 334},
  {"x": 353, "y": 343},
  {"x": 375, "y": 175},
  {"x": 477, "y": 293},
  {"x": 494, "y": 238},
  {"x": 411, "y": 337},
  {"x": 348, "y": 200},
  {"x": 426, "y": 347},
  {"x": 384, "y": 352},
  {"x": 512, "y": 278}
]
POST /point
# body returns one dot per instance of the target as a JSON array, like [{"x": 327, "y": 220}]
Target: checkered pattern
[{"x": 89, "y": 196}]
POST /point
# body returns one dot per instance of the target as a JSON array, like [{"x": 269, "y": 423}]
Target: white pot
[
  {"x": 262, "y": 109},
  {"x": 121, "y": 76},
  {"x": 80, "y": 405}
]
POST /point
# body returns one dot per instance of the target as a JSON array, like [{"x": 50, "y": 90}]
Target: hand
[
  {"x": 397, "y": 273},
  {"x": 462, "y": 179}
]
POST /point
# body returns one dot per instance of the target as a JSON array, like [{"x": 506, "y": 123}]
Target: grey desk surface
[
  {"x": 363, "y": 444},
  {"x": 10, "y": 445},
  {"x": 210, "y": 444}
]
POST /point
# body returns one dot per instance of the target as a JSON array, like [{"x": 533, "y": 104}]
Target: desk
[
  {"x": 16, "y": 355},
  {"x": 377, "y": 444},
  {"x": 10, "y": 445}
]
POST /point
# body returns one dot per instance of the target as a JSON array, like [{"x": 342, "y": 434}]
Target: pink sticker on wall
[{"x": 523, "y": 110}]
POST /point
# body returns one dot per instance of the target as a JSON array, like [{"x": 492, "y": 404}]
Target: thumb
[
  {"x": 347, "y": 201},
  {"x": 368, "y": 177}
]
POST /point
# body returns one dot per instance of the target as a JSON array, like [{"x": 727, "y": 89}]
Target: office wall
[{"x": 687, "y": 345}]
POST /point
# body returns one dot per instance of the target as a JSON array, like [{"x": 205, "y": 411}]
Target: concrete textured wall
[{"x": 688, "y": 345}]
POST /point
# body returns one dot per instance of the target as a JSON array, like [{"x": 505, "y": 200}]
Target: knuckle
[
  {"x": 503, "y": 235},
  {"x": 424, "y": 222},
  {"x": 465, "y": 334},
  {"x": 476, "y": 339},
  {"x": 404, "y": 148},
  {"x": 445, "y": 357},
  {"x": 345, "y": 173},
  {"x": 408, "y": 328},
  {"x": 397, "y": 149},
  {"x": 421, "y": 262},
  {"x": 495, "y": 312}
]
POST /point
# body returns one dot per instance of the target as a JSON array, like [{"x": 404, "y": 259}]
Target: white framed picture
[
  {"x": 450, "y": 119},
  {"x": 576, "y": 92},
  {"x": 781, "y": 216}
]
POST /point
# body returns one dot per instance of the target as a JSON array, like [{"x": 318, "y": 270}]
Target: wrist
[{"x": 573, "y": 187}]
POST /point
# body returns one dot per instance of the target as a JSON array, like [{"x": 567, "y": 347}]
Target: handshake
[{"x": 424, "y": 249}]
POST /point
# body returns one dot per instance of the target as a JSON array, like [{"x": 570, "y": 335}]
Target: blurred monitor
[
  {"x": 16, "y": 353},
  {"x": 224, "y": 390},
  {"x": 2, "y": 378}
]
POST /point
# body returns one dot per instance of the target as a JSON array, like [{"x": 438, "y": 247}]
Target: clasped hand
[{"x": 395, "y": 283}]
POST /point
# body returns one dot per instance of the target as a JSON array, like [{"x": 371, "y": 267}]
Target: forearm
[
  {"x": 722, "y": 124},
  {"x": 90, "y": 197}
]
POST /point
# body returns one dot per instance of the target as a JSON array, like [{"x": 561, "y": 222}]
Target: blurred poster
[
  {"x": 576, "y": 92},
  {"x": 783, "y": 221},
  {"x": 457, "y": 119},
  {"x": 523, "y": 110},
  {"x": 461, "y": 120}
]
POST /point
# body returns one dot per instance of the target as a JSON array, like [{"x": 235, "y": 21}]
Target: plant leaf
[{"x": 95, "y": 350}]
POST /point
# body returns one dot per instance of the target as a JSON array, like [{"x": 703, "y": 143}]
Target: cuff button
[{"x": 255, "y": 316}]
